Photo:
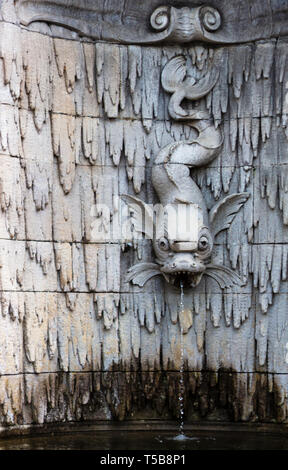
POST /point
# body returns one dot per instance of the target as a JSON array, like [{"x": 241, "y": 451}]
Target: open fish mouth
[{"x": 183, "y": 278}]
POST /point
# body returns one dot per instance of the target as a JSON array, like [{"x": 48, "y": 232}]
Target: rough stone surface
[{"x": 81, "y": 123}]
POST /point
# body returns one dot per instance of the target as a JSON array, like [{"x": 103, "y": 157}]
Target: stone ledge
[{"x": 138, "y": 425}]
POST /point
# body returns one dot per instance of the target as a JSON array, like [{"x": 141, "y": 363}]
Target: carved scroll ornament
[
  {"x": 140, "y": 22},
  {"x": 168, "y": 23}
]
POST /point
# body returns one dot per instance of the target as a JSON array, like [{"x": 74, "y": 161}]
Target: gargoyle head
[
  {"x": 183, "y": 244},
  {"x": 183, "y": 241}
]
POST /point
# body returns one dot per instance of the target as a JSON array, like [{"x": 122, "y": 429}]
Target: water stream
[
  {"x": 181, "y": 436},
  {"x": 181, "y": 395}
]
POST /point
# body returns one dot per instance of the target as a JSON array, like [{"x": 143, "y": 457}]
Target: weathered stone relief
[
  {"x": 183, "y": 242},
  {"x": 214, "y": 22},
  {"x": 78, "y": 340}
]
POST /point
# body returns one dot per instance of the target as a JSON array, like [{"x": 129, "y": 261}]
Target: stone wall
[{"x": 80, "y": 124}]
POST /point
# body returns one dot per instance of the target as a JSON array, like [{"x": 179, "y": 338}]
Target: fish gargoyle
[
  {"x": 183, "y": 252},
  {"x": 182, "y": 229}
]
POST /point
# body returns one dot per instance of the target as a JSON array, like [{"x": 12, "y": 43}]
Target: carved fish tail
[{"x": 170, "y": 173}]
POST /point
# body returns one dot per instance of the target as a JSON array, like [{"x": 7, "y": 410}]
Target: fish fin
[
  {"x": 223, "y": 213},
  {"x": 174, "y": 73},
  {"x": 204, "y": 85},
  {"x": 224, "y": 276},
  {"x": 140, "y": 273}
]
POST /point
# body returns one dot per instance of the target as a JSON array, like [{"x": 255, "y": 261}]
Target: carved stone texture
[{"x": 124, "y": 21}]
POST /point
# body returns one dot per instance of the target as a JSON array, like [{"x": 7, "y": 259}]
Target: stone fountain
[{"x": 143, "y": 148}]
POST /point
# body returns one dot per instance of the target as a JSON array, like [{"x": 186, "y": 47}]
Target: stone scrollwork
[
  {"x": 210, "y": 18},
  {"x": 127, "y": 23},
  {"x": 186, "y": 24},
  {"x": 168, "y": 23},
  {"x": 160, "y": 18}
]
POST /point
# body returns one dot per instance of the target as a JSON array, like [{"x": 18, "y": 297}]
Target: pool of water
[{"x": 149, "y": 440}]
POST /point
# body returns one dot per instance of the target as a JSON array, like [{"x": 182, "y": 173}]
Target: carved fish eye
[
  {"x": 203, "y": 243},
  {"x": 164, "y": 244}
]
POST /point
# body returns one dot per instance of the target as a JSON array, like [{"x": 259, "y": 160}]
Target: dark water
[{"x": 150, "y": 440}]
